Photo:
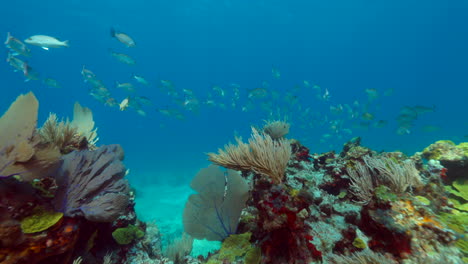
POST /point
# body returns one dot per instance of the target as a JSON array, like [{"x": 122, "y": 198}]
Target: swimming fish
[
  {"x": 87, "y": 74},
  {"x": 30, "y": 73},
  {"x": 140, "y": 79},
  {"x": 276, "y": 73},
  {"x": 372, "y": 94},
  {"x": 367, "y": 116},
  {"x": 219, "y": 90},
  {"x": 124, "y": 104},
  {"x": 125, "y": 86},
  {"x": 257, "y": 93},
  {"x": 381, "y": 123},
  {"x": 123, "y": 38},
  {"x": 124, "y": 58},
  {"x": 46, "y": 42},
  {"x": 143, "y": 100},
  {"x": 51, "y": 82},
  {"x": 16, "y": 63},
  {"x": 17, "y": 46}
]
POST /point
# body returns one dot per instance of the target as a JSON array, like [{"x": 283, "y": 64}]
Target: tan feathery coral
[
  {"x": 398, "y": 177},
  {"x": 68, "y": 136},
  {"x": 59, "y": 134},
  {"x": 262, "y": 155}
]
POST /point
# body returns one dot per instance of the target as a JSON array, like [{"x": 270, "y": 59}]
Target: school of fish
[{"x": 339, "y": 120}]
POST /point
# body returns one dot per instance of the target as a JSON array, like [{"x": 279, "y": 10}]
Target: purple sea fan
[{"x": 91, "y": 184}]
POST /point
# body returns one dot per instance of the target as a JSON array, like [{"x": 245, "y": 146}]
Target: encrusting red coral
[{"x": 281, "y": 226}]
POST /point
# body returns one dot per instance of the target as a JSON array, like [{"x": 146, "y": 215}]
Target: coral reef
[
  {"x": 65, "y": 200},
  {"x": 57, "y": 208},
  {"x": 451, "y": 156},
  {"x": 356, "y": 207}
]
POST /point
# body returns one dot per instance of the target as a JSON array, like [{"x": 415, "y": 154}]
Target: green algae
[
  {"x": 41, "y": 220},
  {"x": 253, "y": 256},
  {"x": 462, "y": 188},
  {"x": 236, "y": 247},
  {"x": 384, "y": 194},
  {"x": 423, "y": 200},
  {"x": 456, "y": 220},
  {"x": 359, "y": 243},
  {"x": 126, "y": 235}
]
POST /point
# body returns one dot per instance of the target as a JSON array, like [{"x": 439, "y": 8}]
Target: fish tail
[
  {"x": 66, "y": 43},
  {"x": 25, "y": 69},
  {"x": 112, "y": 32}
]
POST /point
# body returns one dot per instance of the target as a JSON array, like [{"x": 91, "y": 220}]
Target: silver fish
[
  {"x": 17, "y": 46},
  {"x": 51, "y": 83},
  {"x": 124, "y": 58},
  {"x": 123, "y": 38},
  {"x": 140, "y": 79},
  {"x": 46, "y": 42}
]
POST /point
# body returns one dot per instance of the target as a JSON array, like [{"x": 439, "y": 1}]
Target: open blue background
[{"x": 417, "y": 48}]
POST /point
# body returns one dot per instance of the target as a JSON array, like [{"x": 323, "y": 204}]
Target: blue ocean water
[{"x": 417, "y": 48}]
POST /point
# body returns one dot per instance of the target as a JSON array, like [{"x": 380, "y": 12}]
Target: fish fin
[
  {"x": 8, "y": 38},
  {"x": 112, "y": 32},
  {"x": 66, "y": 43},
  {"x": 46, "y": 48}
]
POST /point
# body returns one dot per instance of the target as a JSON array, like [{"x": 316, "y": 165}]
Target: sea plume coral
[
  {"x": 362, "y": 257},
  {"x": 91, "y": 184},
  {"x": 398, "y": 177},
  {"x": 60, "y": 134},
  {"x": 262, "y": 155},
  {"x": 68, "y": 136}
]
